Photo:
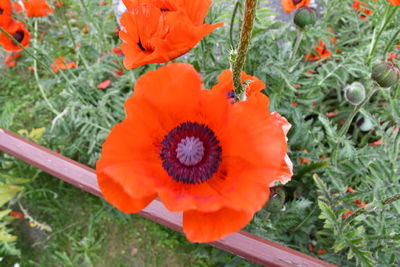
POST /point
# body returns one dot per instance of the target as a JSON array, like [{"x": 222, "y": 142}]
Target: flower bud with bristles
[
  {"x": 386, "y": 74},
  {"x": 305, "y": 16},
  {"x": 354, "y": 93}
]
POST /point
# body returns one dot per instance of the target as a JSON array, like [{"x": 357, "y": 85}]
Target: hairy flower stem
[
  {"x": 389, "y": 15},
  {"x": 356, "y": 109},
  {"x": 245, "y": 36},
  {"x": 366, "y": 209},
  {"x": 295, "y": 49}
]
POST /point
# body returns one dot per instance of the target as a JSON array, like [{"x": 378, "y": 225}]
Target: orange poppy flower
[
  {"x": 211, "y": 160},
  {"x": 290, "y": 5},
  {"x": 395, "y": 2},
  {"x": 320, "y": 52},
  {"x": 157, "y": 31},
  {"x": 62, "y": 64},
  {"x": 11, "y": 59},
  {"x": 5, "y": 13},
  {"x": 37, "y": 8},
  {"x": 17, "y": 30}
]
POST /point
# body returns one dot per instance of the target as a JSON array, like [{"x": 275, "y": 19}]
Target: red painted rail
[{"x": 243, "y": 244}]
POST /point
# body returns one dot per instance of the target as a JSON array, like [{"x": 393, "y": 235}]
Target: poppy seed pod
[
  {"x": 386, "y": 74},
  {"x": 305, "y": 16},
  {"x": 354, "y": 93},
  {"x": 364, "y": 124}
]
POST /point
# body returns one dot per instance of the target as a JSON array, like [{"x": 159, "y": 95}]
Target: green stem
[
  {"x": 356, "y": 109},
  {"x": 295, "y": 49},
  {"x": 389, "y": 14},
  {"x": 233, "y": 22},
  {"x": 245, "y": 36},
  {"x": 41, "y": 89},
  {"x": 386, "y": 201},
  {"x": 391, "y": 42}
]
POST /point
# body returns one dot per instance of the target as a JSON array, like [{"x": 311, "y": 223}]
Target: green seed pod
[
  {"x": 305, "y": 16},
  {"x": 364, "y": 124},
  {"x": 277, "y": 199},
  {"x": 386, "y": 74},
  {"x": 354, "y": 93}
]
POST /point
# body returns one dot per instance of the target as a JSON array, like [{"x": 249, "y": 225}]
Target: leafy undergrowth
[{"x": 334, "y": 173}]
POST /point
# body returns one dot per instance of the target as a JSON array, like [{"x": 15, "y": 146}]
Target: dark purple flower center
[
  {"x": 1, "y": 11},
  {"x": 190, "y": 153},
  {"x": 19, "y": 36},
  {"x": 296, "y": 1}
]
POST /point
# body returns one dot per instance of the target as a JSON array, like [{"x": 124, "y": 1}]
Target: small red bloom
[
  {"x": 320, "y": 52},
  {"x": 376, "y": 143},
  {"x": 17, "y": 214},
  {"x": 351, "y": 190},
  {"x": 363, "y": 8},
  {"x": 391, "y": 56},
  {"x": 362, "y": 205},
  {"x": 304, "y": 160},
  {"x": 331, "y": 114},
  {"x": 31, "y": 68},
  {"x": 117, "y": 51},
  {"x": 344, "y": 216},
  {"x": 62, "y": 64},
  {"x": 294, "y": 104},
  {"x": 321, "y": 252},
  {"x": 17, "y": 30},
  {"x": 104, "y": 85},
  {"x": 11, "y": 59}
]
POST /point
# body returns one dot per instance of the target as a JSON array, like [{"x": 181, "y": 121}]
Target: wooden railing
[{"x": 243, "y": 244}]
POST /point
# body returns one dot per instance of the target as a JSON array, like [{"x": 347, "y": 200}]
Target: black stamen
[
  {"x": 165, "y": 10},
  {"x": 141, "y": 46},
  {"x": 19, "y": 36},
  {"x": 1, "y": 11},
  {"x": 296, "y": 1}
]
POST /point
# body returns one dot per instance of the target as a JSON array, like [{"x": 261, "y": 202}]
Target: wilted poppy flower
[
  {"x": 157, "y": 31},
  {"x": 37, "y": 8},
  {"x": 62, "y": 64},
  {"x": 319, "y": 53},
  {"x": 5, "y": 13},
  {"x": 104, "y": 85},
  {"x": 290, "y": 5},
  {"x": 395, "y": 2},
  {"x": 11, "y": 59},
  {"x": 17, "y": 30},
  {"x": 202, "y": 155}
]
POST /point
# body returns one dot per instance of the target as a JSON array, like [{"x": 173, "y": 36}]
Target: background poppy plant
[
  {"x": 203, "y": 156},
  {"x": 156, "y": 31}
]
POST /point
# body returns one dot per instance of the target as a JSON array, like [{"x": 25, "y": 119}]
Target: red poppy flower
[
  {"x": 104, "y": 85},
  {"x": 211, "y": 160},
  {"x": 290, "y": 5},
  {"x": 320, "y": 52},
  {"x": 5, "y": 13},
  {"x": 395, "y": 2},
  {"x": 37, "y": 8},
  {"x": 376, "y": 143},
  {"x": 17, "y": 30},
  {"x": 362, "y": 7},
  {"x": 351, "y": 190},
  {"x": 344, "y": 216},
  {"x": 62, "y": 64},
  {"x": 17, "y": 214},
  {"x": 11, "y": 59},
  {"x": 157, "y": 31}
]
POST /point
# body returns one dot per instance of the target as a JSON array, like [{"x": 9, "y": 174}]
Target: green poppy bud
[
  {"x": 277, "y": 199},
  {"x": 354, "y": 93},
  {"x": 364, "y": 124},
  {"x": 386, "y": 74},
  {"x": 305, "y": 16}
]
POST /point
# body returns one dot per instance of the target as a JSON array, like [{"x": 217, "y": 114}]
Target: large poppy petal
[{"x": 210, "y": 226}]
